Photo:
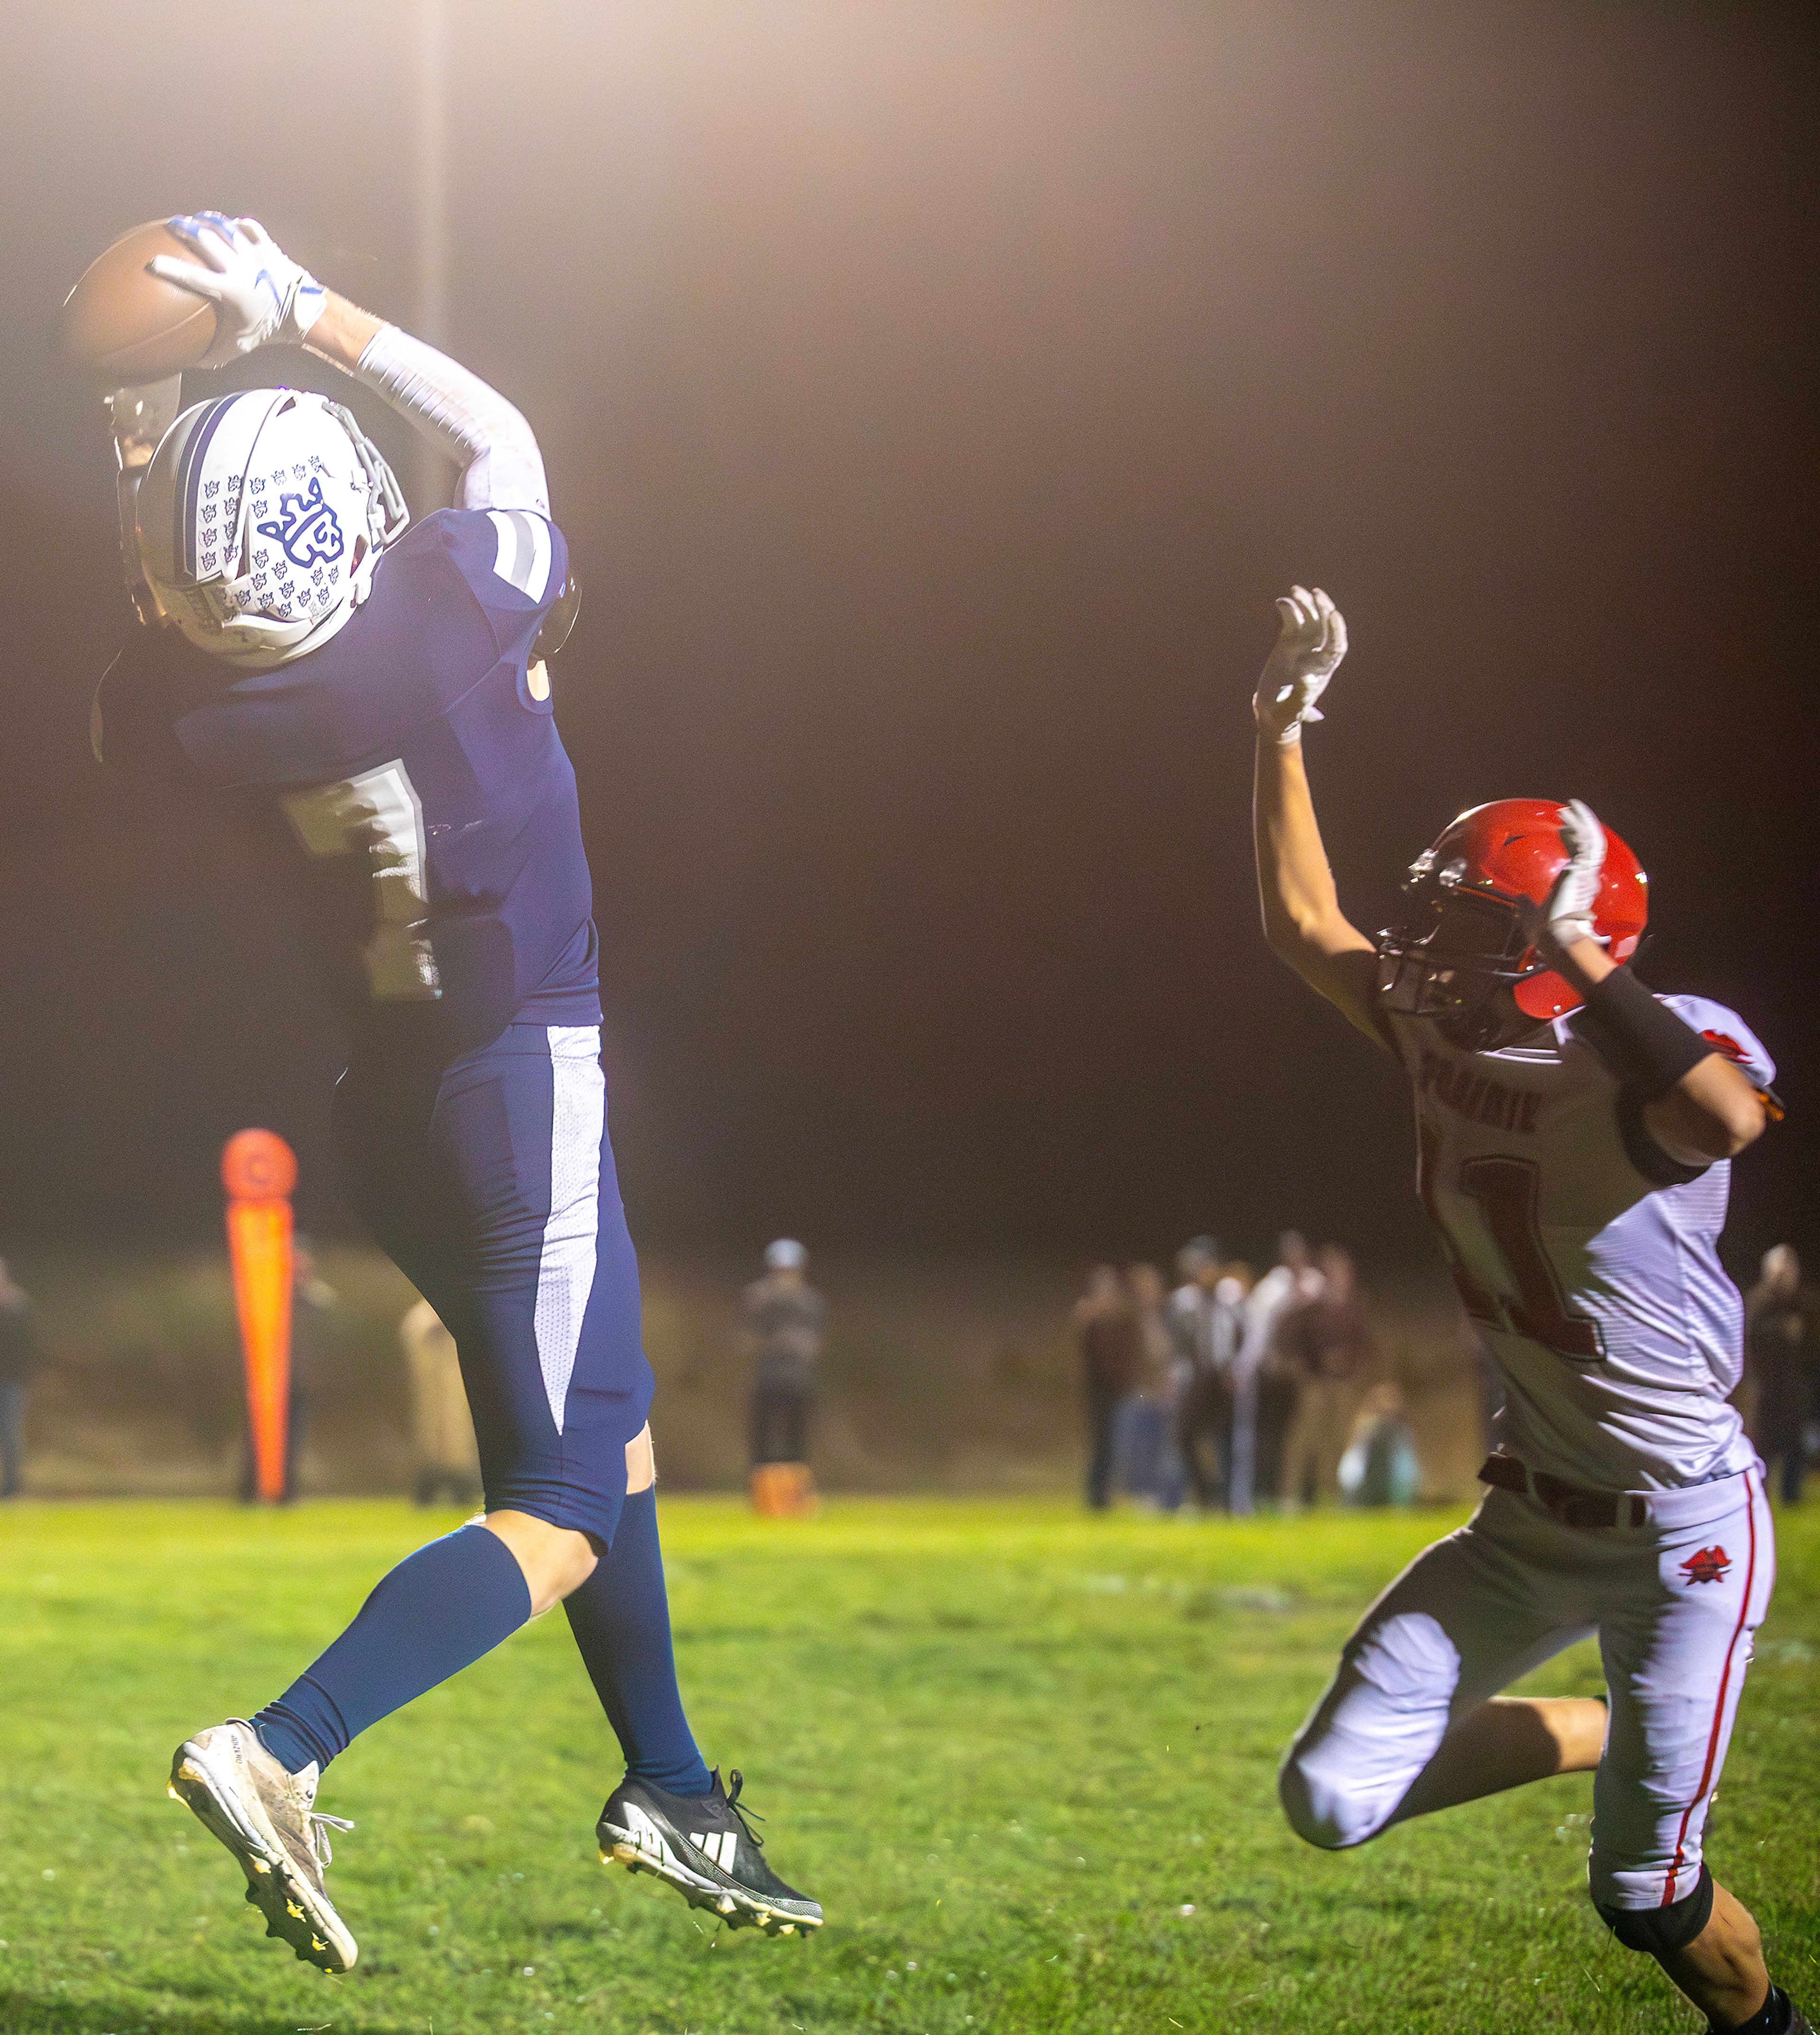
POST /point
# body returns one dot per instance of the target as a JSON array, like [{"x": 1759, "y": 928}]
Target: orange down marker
[{"x": 259, "y": 1169}]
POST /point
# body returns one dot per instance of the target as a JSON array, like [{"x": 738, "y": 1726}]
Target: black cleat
[
  {"x": 1793, "y": 2021},
  {"x": 703, "y": 1846}
]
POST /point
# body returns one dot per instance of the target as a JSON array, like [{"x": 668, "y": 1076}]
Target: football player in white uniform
[{"x": 1574, "y": 1134}]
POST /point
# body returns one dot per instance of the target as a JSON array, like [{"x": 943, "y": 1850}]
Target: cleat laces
[
  {"x": 318, "y": 1827},
  {"x": 747, "y": 1816}
]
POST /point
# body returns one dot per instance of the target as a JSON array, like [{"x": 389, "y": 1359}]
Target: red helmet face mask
[{"x": 1459, "y": 952}]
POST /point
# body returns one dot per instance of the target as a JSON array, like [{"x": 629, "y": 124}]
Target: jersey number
[
  {"x": 377, "y": 816},
  {"x": 1505, "y": 1190}
]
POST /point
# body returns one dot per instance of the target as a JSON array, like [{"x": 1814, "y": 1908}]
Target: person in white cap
[{"x": 783, "y": 1316}]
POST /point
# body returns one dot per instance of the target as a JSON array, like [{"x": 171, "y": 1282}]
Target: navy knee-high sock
[
  {"x": 440, "y": 1608},
  {"x": 621, "y": 1620}
]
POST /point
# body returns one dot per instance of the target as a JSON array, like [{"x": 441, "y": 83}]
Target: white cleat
[{"x": 267, "y": 1818}]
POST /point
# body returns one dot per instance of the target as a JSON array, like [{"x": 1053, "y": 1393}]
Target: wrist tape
[
  {"x": 303, "y": 306},
  {"x": 1641, "y": 1041}
]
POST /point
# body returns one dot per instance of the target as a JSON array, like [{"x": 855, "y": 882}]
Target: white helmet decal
[{"x": 261, "y": 519}]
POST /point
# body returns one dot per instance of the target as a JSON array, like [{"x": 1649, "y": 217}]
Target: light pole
[{"x": 430, "y": 197}]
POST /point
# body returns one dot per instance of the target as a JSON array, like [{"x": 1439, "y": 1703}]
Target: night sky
[{"x": 934, "y": 397}]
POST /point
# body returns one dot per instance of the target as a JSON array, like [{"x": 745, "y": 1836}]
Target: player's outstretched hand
[
  {"x": 260, "y": 293},
  {"x": 1308, "y": 651},
  {"x": 1567, "y": 917}
]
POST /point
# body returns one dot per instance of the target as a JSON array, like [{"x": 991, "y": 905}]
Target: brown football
[{"x": 124, "y": 325}]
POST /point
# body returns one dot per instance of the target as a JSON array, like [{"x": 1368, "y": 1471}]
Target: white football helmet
[{"x": 260, "y": 520}]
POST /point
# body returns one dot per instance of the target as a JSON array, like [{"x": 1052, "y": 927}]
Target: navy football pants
[{"x": 490, "y": 1182}]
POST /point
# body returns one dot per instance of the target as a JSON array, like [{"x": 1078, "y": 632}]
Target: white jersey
[
  {"x": 1587, "y": 1257},
  {"x": 1266, "y": 1304}
]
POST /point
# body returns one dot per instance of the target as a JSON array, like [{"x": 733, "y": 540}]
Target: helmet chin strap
[
  {"x": 257, "y": 642},
  {"x": 261, "y": 644}
]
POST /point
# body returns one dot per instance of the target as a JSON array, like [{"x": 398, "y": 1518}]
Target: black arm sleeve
[{"x": 1643, "y": 1041}]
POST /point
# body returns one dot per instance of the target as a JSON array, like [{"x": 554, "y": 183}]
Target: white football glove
[
  {"x": 260, "y": 295},
  {"x": 1296, "y": 674},
  {"x": 1570, "y": 908}
]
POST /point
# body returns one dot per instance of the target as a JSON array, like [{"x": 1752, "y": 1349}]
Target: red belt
[{"x": 1569, "y": 1503}]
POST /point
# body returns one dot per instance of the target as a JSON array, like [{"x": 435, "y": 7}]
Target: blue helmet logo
[{"x": 305, "y": 525}]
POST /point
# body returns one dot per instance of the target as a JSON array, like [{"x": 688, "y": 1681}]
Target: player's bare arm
[
  {"x": 343, "y": 332},
  {"x": 1711, "y": 1111},
  {"x": 1303, "y": 920}
]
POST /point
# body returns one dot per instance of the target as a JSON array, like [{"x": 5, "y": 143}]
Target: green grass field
[{"x": 1026, "y": 1761}]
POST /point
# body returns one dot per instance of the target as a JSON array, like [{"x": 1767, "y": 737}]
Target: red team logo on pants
[{"x": 1706, "y": 1565}]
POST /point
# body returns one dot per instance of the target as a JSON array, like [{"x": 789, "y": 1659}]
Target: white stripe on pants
[{"x": 566, "y": 1265}]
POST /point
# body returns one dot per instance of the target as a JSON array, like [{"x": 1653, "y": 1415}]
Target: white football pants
[{"x": 1674, "y": 1603}]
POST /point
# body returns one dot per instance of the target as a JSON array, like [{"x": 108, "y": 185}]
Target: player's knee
[
  {"x": 556, "y": 1560},
  {"x": 572, "y": 1560},
  {"x": 1297, "y": 1796},
  {"x": 1659, "y": 1930},
  {"x": 1322, "y": 1808}
]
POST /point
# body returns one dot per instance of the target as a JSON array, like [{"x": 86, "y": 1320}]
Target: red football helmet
[{"x": 1460, "y": 950}]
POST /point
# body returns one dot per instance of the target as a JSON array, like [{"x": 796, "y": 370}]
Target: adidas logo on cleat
[{"x": 719, "y": 1846}]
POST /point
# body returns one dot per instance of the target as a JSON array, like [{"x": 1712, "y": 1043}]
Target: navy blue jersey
[{"x": 408, "y": 775}]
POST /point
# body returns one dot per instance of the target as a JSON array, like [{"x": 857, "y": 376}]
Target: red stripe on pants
[{"x": 1719, "y": 1707}]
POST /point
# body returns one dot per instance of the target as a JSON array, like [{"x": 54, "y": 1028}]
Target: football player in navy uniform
[
  {"x": 366, "y": 697},
  {"x": 1574, "y": 1136}
]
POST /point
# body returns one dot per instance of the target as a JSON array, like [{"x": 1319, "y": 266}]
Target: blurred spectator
[
  {"x": 1265, "y": 1387},
  {"x": 1205, "y": 1326},
  {"x": 448, "y": 1459},
  {"x": 20, "y": 1360},
  {"x": 1330, "y": 1341},
  {"x": 1380, "y": 1465},
  {"x": 782, "y": 1315},
  {"x": 313, "y": 1300},
  {"x": 1110, "y": 1341},
  {"x": 1149, "y": 1467},
  {"x": 1779, "y": 1364}
]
